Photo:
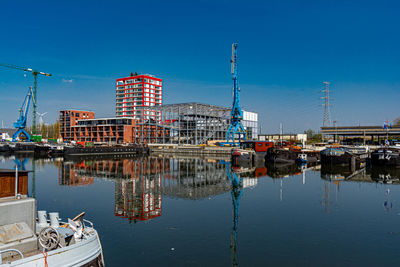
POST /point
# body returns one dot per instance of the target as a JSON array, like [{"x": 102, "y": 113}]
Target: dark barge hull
[
  {"x": 242, "y": 157},
  {"x": 23, "y": 148},
  {"x": 106, "y": 150},
  {"x": 313, "y": 156},
  {"x": 42, "y": 151},
  {"x": 386, "y": 157},
  {"x": 276, "y": 170},
  {"x": 337, "y": 156},
  {"x": 4, "y": 148},
  {"x": 281, "y": 156}
]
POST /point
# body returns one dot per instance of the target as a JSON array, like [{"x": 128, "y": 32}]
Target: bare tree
[{"x": 396, "y": 121}]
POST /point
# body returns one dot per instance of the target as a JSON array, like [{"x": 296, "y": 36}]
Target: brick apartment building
[
  {"x": 135, "y": 95},
  {"x": 68, "y": 119},
  {"x": 82, "y": 126},
  {"x": 138, "y": 91}
]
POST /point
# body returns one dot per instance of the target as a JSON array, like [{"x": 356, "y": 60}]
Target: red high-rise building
[{"x": 138, "y": 91}]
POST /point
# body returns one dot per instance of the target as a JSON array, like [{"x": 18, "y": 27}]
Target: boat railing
[
  {"x": 10, "y": 250},
  {"x": 89, "y": 222}
]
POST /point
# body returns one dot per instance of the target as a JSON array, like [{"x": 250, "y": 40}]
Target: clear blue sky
[{"x": 286, "y": 49}]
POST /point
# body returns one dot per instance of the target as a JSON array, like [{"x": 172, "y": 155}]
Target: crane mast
[
  {"x": 35, "y": 73},
  {"x": 236, "y": 127}
]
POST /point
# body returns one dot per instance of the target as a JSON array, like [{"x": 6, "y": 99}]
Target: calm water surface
[{"x": 163, "y": 211}]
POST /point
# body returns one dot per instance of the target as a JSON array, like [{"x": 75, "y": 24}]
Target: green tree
[{"x": 313, "y": 137}]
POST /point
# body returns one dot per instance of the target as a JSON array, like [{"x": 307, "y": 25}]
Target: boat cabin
[
  {"x": 257, "y": 146},
  {"x": 7, "y": 183}
]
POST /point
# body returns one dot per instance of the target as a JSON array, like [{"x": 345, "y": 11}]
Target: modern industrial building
[
  {"x": 191, "y": 123},
  {"x": 135, "y": 91}
]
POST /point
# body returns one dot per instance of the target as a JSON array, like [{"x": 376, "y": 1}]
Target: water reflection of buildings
[
  {"x": 372, "y": 174},
  {"x": 140, "y": 182},
  {"x": 137, "y": 183},
  {"x": 336, "y": 175},
  {"x": 69, "y": 174},
  {"x": 195, "y": 178},
  {"x": 139, "y": 198}
]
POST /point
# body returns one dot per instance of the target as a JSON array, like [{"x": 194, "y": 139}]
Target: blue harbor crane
[
  {"x": 236, "y": 128},
  {"x": 20, "y": 124},
  {"x": 35, "y": 73}
]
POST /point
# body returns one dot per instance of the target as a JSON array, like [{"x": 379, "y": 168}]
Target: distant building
[
  {"x": 135, "y": 91},
  {"x": 7, "y": 133},
  {"x": 361, "y": 134},
  {"x": 69, "y": 118},
  {"x": 250, "y": 124},
  {"x": 285, "y": 137}
]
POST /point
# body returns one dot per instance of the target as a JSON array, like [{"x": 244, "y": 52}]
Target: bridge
[{"x": 361, "y": 132}]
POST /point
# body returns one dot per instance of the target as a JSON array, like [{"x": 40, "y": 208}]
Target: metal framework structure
[
  {"x": 326, "y": 105},
  {"x": 185, "y": 123},
  {"x": 236, "y": 128}
]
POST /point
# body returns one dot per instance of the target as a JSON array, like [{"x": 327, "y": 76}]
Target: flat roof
[
  {"x": 140, "y": 75},
  {"x": 361, "y": 130},
  {"x": 76, "y": 110},
  {"x": 185, "y": 105},
  {"x": 113, "y": 118}
]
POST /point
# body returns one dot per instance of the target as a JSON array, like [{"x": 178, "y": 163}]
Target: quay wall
[{"x": 190, "y": 150}]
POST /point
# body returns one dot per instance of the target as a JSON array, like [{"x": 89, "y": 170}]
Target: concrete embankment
[{"x": 209, "y": 151}]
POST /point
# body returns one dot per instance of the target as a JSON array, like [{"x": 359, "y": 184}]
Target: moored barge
[
  {"x": 250, "y": 152},
  {"x": 344, "y": 156},
  {"x": 386, "y": 156}
]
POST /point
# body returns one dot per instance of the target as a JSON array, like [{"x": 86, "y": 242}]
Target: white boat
[{"x": 26, "y": 241}]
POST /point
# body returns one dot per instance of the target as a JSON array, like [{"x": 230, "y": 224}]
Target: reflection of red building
[
  {"x": 140, "y": 198},
  {"x": 69, "y": 175},
  {"x": 260, "y": 172},
  {"x": 137, "y": 183}
]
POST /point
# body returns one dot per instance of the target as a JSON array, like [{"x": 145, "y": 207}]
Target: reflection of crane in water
[
  {"x": 20, "y": 163},
  {"x": 237, "y": 187}
]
